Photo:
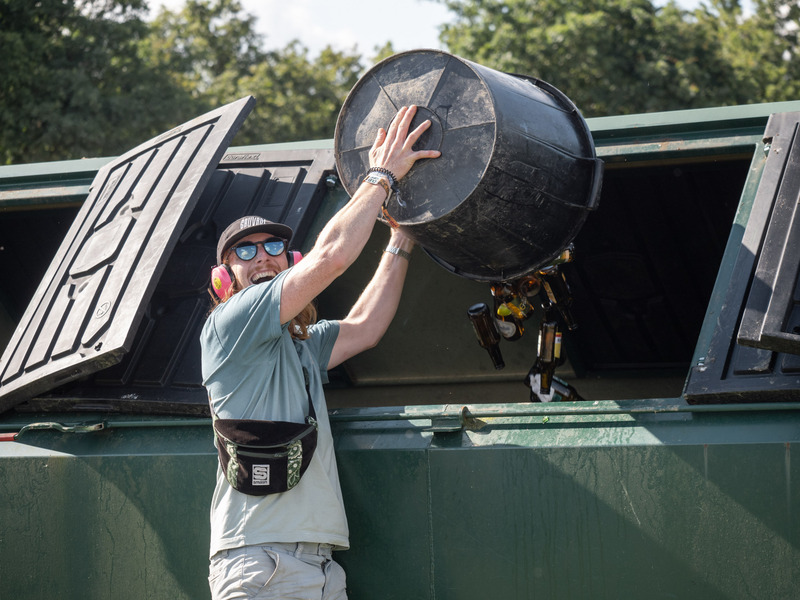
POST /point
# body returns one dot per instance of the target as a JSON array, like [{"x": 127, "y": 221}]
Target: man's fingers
[
  {"x": 414, "y": 135},
  {"x": 394, "y": 149},
  {"x": 404, "y": 117},
  {"x": 426, "y": 154},
  {"x": 405, "y": 121},
  {"x": 379, "y": 138},
  {"x": 395, "y": 126}
]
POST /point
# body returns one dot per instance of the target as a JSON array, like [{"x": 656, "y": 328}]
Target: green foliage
[
  {"x": 384, "y": 52},
  {"x": 628, "y": 56},
  {"x": 76, "y": 79},
  {"x": 213, "y": 51},
  {"x": 298, "y": 99},
  {"x": 205, "y": 44},
  {"x": 95, "y": 77}
]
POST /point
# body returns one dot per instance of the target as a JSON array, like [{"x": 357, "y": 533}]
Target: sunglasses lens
[
  {"x": 274, "y": 247},
  {"x": 246, "y": 252},
  {"x": 271, "y": 247}
]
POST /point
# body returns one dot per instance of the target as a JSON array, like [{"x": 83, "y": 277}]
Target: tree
[
  {"x": 298, "y": 99},
  {"x": 205, "y": 44},
  {"x": 213, "y": 51},
  {"x": 761, "y": 48},
  {"x": 76, "y": 79},
  {"x": 626, "y": 56},
  {"x": 94, "y": 78}
]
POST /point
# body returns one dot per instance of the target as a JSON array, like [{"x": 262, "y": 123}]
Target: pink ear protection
[
  {"x": 222, "y": 277},
  {"x": 221, "y": 280},
  {"x": 294, "y": 257}
]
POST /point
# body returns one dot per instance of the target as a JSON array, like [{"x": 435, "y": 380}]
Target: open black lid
[{"x": 84, "y": 315}]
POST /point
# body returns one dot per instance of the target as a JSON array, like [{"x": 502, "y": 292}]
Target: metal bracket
[
  {"x": 455, "y": 423},
  {"x": 77, "y": 428}
]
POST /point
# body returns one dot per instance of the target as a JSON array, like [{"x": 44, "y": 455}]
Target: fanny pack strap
[{"x": 312, "y": 415}]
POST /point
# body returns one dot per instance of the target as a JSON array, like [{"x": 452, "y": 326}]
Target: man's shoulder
[{"x": 323, "y": 326}]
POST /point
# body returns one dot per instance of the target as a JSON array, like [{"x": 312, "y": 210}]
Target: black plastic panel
[
  {"x": 770, "y": 319},
  {"x": 84, "y": 315},
  {"x": 161, "y": 372},
  {"x": 757, "y": 306}
]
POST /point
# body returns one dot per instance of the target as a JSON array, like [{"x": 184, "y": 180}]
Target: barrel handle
[
  {"x": 597, "y": 183},
  {"x": 567, "y": 104}
]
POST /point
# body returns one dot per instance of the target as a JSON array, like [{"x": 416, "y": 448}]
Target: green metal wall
[
  {"x": 122, "y": 513},
  {"x": 643, "y": 505},
  {"x": 648, "y": 499}
]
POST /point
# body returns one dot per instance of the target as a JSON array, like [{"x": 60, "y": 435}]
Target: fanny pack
[{"x": 265, "y": 457}]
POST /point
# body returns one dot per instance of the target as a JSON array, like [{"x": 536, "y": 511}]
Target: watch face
[{"x": 373, "y": 179}]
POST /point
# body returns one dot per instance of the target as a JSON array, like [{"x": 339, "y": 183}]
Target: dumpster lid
[
  {"x": 753, "y": 353},
  {"x": 85, "y": 313}
]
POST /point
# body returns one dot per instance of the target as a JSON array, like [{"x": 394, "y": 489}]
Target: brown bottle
[{"x": 486, "y": 332}]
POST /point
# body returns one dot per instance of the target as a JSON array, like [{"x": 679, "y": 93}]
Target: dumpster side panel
[
  {"x": 572, "y": 506},
  {"x": 696, "y": 507},
  {"x": 129, "y": 523}
]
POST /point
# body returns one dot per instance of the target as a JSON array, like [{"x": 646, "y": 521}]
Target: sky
[
  {"x": 345, "y": 24},
  {"x": 353, "y": 25}
]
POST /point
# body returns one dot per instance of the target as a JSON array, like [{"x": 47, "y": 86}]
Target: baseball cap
[{"x": 244, "y": 226}]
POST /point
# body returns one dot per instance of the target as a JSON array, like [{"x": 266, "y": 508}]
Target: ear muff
[
  {"x": 293, "y": 257},
  {"x": 221, "y": 280}
]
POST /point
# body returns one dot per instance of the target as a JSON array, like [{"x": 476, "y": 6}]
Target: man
[{"x": 257, "y": 344}]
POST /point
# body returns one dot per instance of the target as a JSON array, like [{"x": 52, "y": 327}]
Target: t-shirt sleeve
[{"x": 320, "y": 343}]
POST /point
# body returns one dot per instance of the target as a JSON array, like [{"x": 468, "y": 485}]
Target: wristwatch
[{"x": 398, "y": 251}]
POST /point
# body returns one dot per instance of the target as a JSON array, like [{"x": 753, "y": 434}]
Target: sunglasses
[{"x": 248, "y": 250}]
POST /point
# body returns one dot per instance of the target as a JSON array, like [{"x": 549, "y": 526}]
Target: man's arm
[
  {"x": 371, "y": 315},
  {"x": 343, "y": 238}
]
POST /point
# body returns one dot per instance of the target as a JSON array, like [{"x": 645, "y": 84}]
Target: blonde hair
[{"x": 298, "y": 327}]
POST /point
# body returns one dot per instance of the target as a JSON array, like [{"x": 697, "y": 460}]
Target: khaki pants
[{"x": 277, "y": 571}]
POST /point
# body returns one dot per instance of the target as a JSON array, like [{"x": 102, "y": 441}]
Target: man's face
[{"x": 262, "y": 267}]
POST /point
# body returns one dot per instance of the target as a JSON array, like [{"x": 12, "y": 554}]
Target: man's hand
[{"x": 392, "y": 149}]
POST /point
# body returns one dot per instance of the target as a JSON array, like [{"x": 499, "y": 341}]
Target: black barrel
[{"x": 517, "y": 175}]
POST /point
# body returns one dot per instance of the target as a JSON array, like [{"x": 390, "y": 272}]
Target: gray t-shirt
[{"x": 252, "y": 369}]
